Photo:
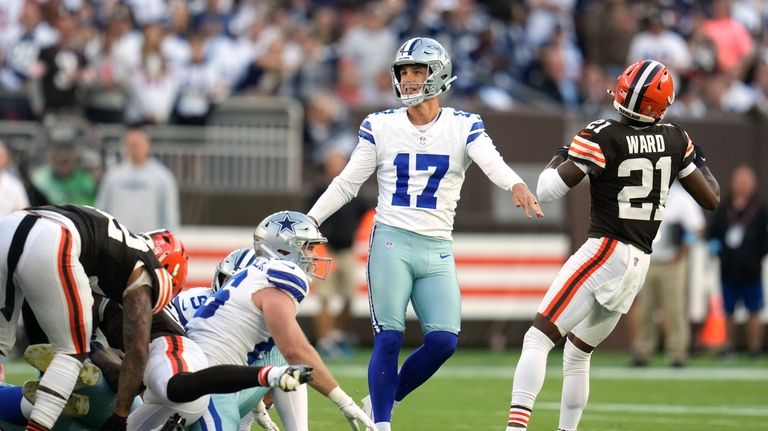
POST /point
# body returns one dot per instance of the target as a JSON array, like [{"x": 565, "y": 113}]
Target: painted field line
[{"x": 671, "y": 409}]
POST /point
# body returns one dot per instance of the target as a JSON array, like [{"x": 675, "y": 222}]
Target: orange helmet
[
  {"x": 644, "y": 91},
  {"x": 172, "y": 255}
]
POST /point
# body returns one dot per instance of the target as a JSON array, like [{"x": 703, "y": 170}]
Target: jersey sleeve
[
  {"x": 687, "y": 165},
  {"x": 365, "y": 133},
  {"x": 289, "y": 278},
  {"x": 585, "y": 149}
]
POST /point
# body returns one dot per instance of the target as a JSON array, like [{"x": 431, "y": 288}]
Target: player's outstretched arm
[
  {"x": 280, "y": 316},
  {"x": 137, "y": 319},
  {"x": 701, "y": 184}
]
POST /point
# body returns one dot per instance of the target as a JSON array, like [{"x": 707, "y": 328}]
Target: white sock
[
  {"x": 575, "y": 385},
  {"x": 383, "y": 426},
  {"x": 246, "y": 422},
  {"x": 529, "y": 375},
  {"x": 293, "y": 409},
  {"x": 55, "y": 388}
]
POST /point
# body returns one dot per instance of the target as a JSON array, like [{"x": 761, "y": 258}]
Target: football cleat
[
  {"x": 77, "y": 404},
  {"x": 40, "y": 356},
  {"x": 174, "y": 423}
]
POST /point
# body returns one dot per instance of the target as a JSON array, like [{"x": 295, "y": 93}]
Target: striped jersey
[
  {"x": 420, "y": 169},
  {"x": 630, "y": 171},
  {"x": 109, "y": 252},
  {"x": 228, "y": 325}
]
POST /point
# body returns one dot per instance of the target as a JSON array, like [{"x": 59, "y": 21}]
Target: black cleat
[{"x": 174, "y": 423}]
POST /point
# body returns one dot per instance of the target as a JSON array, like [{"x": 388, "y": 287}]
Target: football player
[
  {"x": 421, "y": 153},
  {"x": 48, "y": 256},
  {"x": 631, "y": 163},
  {"x": 291, "y": 406},
  {"x": 261, "y": 302}
]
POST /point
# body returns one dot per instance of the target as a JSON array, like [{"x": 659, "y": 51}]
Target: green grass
[{"x": 472, "y": 392}]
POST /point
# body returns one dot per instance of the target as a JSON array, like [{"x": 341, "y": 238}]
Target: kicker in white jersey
[
  {"x": 419, "y": 170},
  {"x": 229, "y": 325}
]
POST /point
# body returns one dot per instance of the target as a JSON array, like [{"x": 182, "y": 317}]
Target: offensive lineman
[
  {"x": 261, "y": 301},
  {"x": 291, "y": 406},
  {"x": 421, "y": 153},
  {"x": 631, "y": 164}
]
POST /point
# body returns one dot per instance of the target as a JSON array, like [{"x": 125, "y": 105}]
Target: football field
[{"x": 472, "y": 392}]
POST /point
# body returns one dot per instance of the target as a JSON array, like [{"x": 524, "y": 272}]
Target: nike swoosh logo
[{"x": 443, "y": 256}]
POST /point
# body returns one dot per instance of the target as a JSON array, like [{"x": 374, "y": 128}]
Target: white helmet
[
  {"x": 234, "y": 262},
  {"x": 291, "y": 236},
  {"x": 429, "y": 52}
]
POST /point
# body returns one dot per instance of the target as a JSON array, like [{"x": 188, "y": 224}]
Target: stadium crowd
[{"x": 161, "y": 61}]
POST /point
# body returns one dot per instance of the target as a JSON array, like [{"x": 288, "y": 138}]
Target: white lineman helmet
[
  {"x": 234, "y": 262},
  {"x": 429, "y": 52},
  {"x": 291, "y": 236}
]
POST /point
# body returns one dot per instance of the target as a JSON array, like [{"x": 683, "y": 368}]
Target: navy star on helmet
[
  {"x": 286, "y": 223},
  {"x": 429, "y": 52},
  {"x": 291, "y": 236}
]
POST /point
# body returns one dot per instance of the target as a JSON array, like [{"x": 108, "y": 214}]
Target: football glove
[
  {"x": 350, "y": 410},
  {"x": 699, "y": 159},
  {"x": 261, "y": 417},
  {"x": 287, "y": 378},
  {"x": 562, "y": 151}
]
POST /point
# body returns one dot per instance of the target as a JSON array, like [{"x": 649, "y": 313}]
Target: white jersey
[
  {"x": 188, "y": 301},
  {"x": 420, "y": 172},
  {"x": 228, "y": 325}
]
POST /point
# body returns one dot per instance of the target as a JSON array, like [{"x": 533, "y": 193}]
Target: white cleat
[
  {"x": 77, "y": 404},
  {"x": 40, "y": 356}
]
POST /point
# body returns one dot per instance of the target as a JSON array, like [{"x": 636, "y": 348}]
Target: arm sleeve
[
  {"x": 347, "y": 184},
  {"x": 550, "y": 186},
  {"x": 484, "y": 153}
]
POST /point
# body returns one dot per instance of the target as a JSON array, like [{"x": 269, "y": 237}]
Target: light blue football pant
[
  {"x": 405, "y": 266},
  {"x": 225, "y": 410}
]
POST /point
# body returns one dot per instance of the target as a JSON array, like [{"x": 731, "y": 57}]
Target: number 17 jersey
[{"x": 630, "y": 171}]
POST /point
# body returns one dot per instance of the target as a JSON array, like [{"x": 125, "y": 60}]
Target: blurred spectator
[
  {"x": 106, "y": 92},
  {"x": 731, "y": 39},
  {"x": 63, "y": 180},
  {"x": 550, "y": 76},
  {"x": 140, "y": 191},
  {"x": 739, "y": 234},
  {"x": 331, "y": 330},
  {"x": 363, "y": 45},
  {"x": 327, "y": 128},
  {"x": 154, "y": 85},
  {"x": 60, "y": 69},
  {"x": 12, "y": 194},
  {"x": 689, "y": 102},
  {"x": 200, "y": 88},
  {"x": 544, "y": 16},
  {"x": 606, "y": 30},
  {"x": 656, "y": 41},
  {"x": 318, "y": 69},
  {"x": 665, "y": 287}
]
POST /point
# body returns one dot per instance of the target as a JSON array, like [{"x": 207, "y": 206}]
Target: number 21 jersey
[{"x": 630, "y": 172}]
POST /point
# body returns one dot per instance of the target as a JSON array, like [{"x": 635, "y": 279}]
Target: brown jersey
[
  {"x": 109, "y": 252},
  {"x": 630, "y": 171}
]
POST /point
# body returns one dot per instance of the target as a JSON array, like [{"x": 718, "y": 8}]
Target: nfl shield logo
[
  {"x": 637, "y": 260},
  {"x": 388, "y": 244}
]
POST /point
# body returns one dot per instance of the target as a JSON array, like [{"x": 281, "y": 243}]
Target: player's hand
[
  {"x": 261, "y": 417},
  {"x": 289, "y": 377},
  {"x": 563, "y": 151},
  {"x": 522, "y": 197},
  {"x": 350, "y": 410},
  {"x": 354, "y": 413},
  {"x": 115, "y": 423},
  {"x": 699, "y": 159}
]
